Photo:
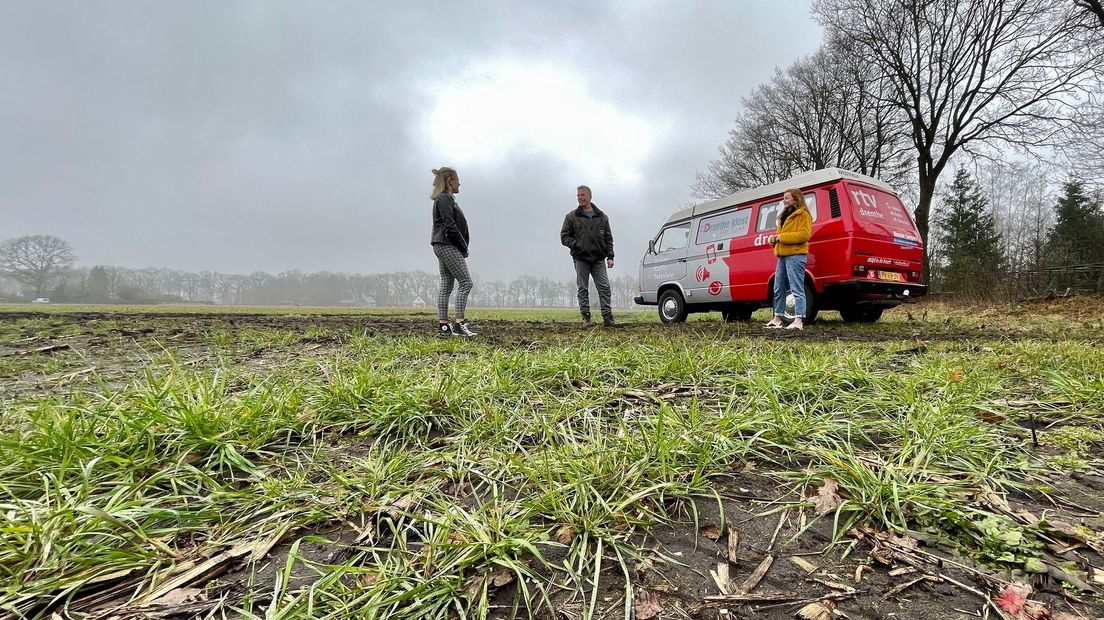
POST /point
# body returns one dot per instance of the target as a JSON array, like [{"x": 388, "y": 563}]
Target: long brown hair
[
  {"x": 799, "y": 203},
  {"x": 798, "y": 198}
]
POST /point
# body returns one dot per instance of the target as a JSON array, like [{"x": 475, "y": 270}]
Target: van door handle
[{"x": 682, "y": 260}]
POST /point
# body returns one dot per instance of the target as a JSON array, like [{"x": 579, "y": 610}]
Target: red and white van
[{"x": 865, "y": 254}]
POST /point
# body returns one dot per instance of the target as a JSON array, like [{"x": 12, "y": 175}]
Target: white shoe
[
  {"x": 797, "y": 326},
  {"x": 773, "y": 325}
]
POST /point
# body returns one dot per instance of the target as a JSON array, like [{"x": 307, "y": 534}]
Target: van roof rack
[{"x": 803, "y": 180}]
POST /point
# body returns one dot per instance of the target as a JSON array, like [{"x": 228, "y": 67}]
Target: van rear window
[{"x": 872, "y": 205}]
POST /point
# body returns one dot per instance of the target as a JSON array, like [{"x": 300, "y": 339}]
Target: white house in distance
[{"x": 418, "y": 302}]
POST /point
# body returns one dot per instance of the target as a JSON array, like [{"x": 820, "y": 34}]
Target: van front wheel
[{"x": 672, "y": 307}]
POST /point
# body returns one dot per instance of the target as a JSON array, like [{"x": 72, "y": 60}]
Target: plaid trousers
[{"x": 454, "y": 268}]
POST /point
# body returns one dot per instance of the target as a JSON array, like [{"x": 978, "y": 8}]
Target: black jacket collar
[{"x": 597, "y": 211}]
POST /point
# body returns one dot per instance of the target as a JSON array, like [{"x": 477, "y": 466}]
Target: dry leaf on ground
[
  {"x": 180, "y": 596},
  {"x": 711, "y": 531},
  {"x": 564, "y": 535},
  {"x": 827, "y": 498},
  {"x": 1014, "y": 600},
  {"x": 501, "y": 576},
  {"x": 647, "y": 605},
  {"x": 821, "y": 610},
  {"x": 905, "y": 542}
]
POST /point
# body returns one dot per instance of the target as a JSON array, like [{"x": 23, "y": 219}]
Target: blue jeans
[{"x": 789, "y": 277}]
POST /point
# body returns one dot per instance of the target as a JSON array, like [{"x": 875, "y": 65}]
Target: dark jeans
[{"x": 584, "y": 270}]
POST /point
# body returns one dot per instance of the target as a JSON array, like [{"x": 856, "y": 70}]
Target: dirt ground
[{"x": 867, "y": 575}]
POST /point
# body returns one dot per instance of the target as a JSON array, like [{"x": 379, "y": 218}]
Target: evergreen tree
[
  {"x": 1078, "y": 234},
  {"x": 97, "y": 288},
  {"x": 969, "y": 239}
]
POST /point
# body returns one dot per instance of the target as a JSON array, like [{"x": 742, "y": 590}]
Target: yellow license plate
[{"x": 889, "y": 275}]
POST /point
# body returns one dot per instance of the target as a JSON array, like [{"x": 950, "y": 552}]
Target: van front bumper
[{"x": 876, "y": 292}]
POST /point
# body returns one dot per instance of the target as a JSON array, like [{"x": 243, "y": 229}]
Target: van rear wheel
[
  {"x": 735, "y": 313},
  {"x": 672, "y": 307},
  {"x": 860, "y": 314}
]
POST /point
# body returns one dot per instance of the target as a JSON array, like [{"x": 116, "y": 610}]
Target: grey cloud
[{"x": 278, "y": 135}]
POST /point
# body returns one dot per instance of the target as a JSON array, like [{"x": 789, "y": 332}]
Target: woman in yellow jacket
[{"x": 791, "y": 246}]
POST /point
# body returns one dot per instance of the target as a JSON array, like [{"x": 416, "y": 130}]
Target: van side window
[
  {"x": 768, "y": 212},
  {"x": 674, "y": 238},
  {"x": 723, "y": 226}
]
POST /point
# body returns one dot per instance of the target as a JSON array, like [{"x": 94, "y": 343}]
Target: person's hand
[
  {"x": 773, "y": 239},
  {"x": 609, "y": 263}
]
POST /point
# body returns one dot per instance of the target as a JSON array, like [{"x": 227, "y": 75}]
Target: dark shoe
[
  {"x": 587, "y": 322},
  {"x": 607, "y": 321},
  {"x": 461, "y": 329},
  {"x": 443, "y": 329}
]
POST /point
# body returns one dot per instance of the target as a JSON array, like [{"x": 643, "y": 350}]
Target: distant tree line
[{"x": 44, "y": 274}]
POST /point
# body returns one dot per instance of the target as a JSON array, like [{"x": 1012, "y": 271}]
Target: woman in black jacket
[{"x": 450, "y": 244}]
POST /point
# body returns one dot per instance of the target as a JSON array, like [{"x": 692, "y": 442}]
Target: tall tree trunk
[{"x": 922, "y": 214}]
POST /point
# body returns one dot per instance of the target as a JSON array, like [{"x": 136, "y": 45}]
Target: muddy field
[{"x": 782, "y": 525}]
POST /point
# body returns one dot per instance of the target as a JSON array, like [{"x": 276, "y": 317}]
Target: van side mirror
[{"x": 651, "y": 246}]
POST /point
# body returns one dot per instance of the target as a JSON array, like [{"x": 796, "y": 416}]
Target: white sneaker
[
  {"x": 773, "y": 325},
  {"x": 797, "y": 326}
]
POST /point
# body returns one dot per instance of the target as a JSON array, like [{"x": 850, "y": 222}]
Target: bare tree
[
  {"x": 1096, "y": 7},
  {"x": 825, "y": 110},
  {"x": 36, "y": 260},
  {"x": 1022, "y": 210},
  {"x": 970, "y": 73}
]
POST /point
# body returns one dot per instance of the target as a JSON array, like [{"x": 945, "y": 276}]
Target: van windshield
[{"x": 674, "y": 238}]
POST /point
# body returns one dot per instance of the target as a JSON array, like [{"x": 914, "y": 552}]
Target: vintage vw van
[{"x": 865, "y": 254}]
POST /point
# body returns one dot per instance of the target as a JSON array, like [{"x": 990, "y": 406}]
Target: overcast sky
[{"x": 245, "y": 136}]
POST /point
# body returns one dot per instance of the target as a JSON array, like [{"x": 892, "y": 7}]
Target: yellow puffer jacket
[{"x": 793, "y": 236}]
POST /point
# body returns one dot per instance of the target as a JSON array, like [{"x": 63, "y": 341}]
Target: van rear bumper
[
  {"x": 639, "y": 300},
  {"x": 875, "y": 292}
]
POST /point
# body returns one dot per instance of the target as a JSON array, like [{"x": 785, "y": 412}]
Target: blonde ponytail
[{"x": 441, "y": 177}]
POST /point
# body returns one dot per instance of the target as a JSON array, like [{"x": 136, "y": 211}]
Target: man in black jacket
[{"x": 586, "y": 232}]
